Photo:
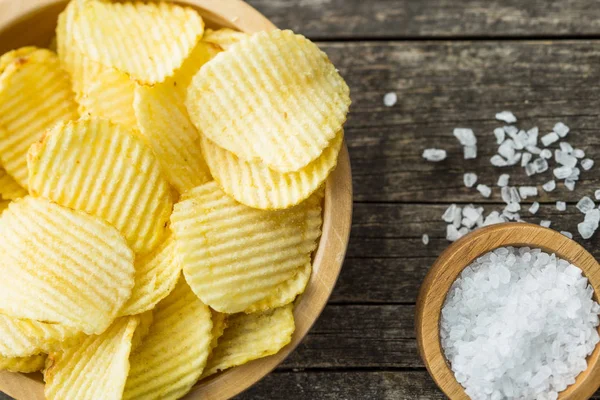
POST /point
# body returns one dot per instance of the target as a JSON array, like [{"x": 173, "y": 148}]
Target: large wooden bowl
[{"x": 32, "y": 22}]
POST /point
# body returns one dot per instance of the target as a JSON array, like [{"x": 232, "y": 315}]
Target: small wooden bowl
[
  {"x": 461, "y": 254},
  {"x": 32, "y": 22}
]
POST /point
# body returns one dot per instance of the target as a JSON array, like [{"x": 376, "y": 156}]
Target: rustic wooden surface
[{"x": 452, "y": 63}]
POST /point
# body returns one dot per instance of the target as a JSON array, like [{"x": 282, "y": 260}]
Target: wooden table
[{"x": 453, "y": 63}]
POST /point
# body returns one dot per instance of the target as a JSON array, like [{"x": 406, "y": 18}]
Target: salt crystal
[
  {"x": 534, "y": 149},
  {"x": 465, "y": 136},
  {"x": 565, "y": 159},
  {"x": 566, "y": 147},
  {"x": 511, "y": 130},
  {"x": 579, "y": 153},
  {"x": 586, "y": 204},
  {"x": 546, "y": 154},
  {"x": 575, "y": 174},
  {"x": 521, "y": 140},
  {"x": 500, "y": 135},
  {"x": 471, "y": 213},
  {"x": 470, "y": 179},
  {"x": 456, "y": 221},
  {"x": 562, "y": 172},
  {"x": 514, "y": 160},
  {"x": 525, "y": 158},
  {"x": 570, "y": 184},
  {"x": 513, "y": 207},
  {"x": 507, "y": 117},
  {"x": 587, "y": 164},
  {"x": 503, "y": 180},
  {"x": 390, "y": 99},
  {"x": 545, "y": 223},
  {"x": 561, "y": 205},
  {"x": 567, "y": 234},
  {"x": 470, "y": 152},
  {"x": 485, "y": 190},
  {"x": 434, "y": 155},
  {"x": 540, "y": 165},
  {"x": 425, "y": 239},
  {"x": 449, "y": 213},
  {"x": 561, "y": 129},
  {"x": 493, "y": 218},
  {"x": 532, "y": 136},
  {"x": 534, "y": 208},
  {"x": 507, "y": 149},
  {"x": 452, "y": 234},
  {"x": 549, "y": 186},
  {"x": 498, "y": 161},
  {"x": 597, "y": 194},
  {"x": 527, "y": 191},
  {"x": 588, "y": 227},
  {"x": 550, "y": 138}
]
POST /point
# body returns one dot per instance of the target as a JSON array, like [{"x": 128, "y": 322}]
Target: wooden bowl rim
[
  {"x": 328, "y": 259},
  {"x": 462, "y": 253}
]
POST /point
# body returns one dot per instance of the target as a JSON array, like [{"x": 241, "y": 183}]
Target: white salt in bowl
[{"x": 461, "y": 254}]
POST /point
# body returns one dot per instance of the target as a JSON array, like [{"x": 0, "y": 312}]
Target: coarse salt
[
  {"x": 550, "y": 138},
  {"x": 503, "y": 180},
  {"x": 434, "y": 155},
  {"x": 561, "y": 205},
  {"x": 561, "y": 129},
  {"x": 390, "y": 99},
  {"x": 485, "y": 190},
  {"x": 507, "y": 117}
]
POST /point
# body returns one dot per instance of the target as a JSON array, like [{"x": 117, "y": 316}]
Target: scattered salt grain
[
  {"x": 540, "y": 165},
  {"x": 470, "y": 179},
  {"x": 561, "y": 129},
  {"x": 434, "y": 155},
  {"x": 532, "y": 136},
  {"x": 503, "y": 180},
  {"x": 507, "y": 117},
  {"x": 498, "y": 161},
  {"x": 470, "y": 152},
  {"x": 534, "y": 208},
  {"x": 485, "y": 190},
  {"x": 507, "y": 149},
  {"x": 512, "y": 207},
  {"x": 511, "y": 130},
  {"x": 566, "y": 147},
  {"x": 562, "y": 172},
  {"x": 586, "y": 204},
  {"x": 546, "y": 154},
  {"x": 527, "y": 191},
  {"x": 525, "y": 158},
  {"x": 597, "y": 194},
  {"x": 448, "y": 215},
  {"x": 500, "y": 135},
  {"x": 550, "y": 138},
  {"x": 567, "y": 234},
  {"x": 534, "y": 149},
  {"x": 518, "y": 323},
  {"x": 588, "y": 227},
  {"x": 587, "y": 164},
  {"x": 425, "y": 239},
  {"x": 561, "y": 205},
  {"x": 549, "y": 186},
  {"x": 390, "y": 99},
  {"x": 452, "y": 234},
  {"x": 545, "y": 223},
  {"x": 565, "y": 159},
  {"x": 579, "y": 153},
  {"x": 465, "y": 136},
  {"x": 570, "y": 184}
]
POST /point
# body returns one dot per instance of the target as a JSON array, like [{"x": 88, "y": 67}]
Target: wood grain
[{"x": 356, "y": 19}]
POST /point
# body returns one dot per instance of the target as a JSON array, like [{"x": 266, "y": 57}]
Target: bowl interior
[
  {"x": 32, "y": 22},
  {"x": 462, "y": 253}
]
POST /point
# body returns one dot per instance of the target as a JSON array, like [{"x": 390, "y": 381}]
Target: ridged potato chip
[
  {"x": 23, "y": 364},
  {"x": 251, "y": 336},
  {"x": 94, "y": 369},
  {"x": 142, "y": 330},
  {"x": 117, "y": 35},
  {"x": 35, "y": 94},
  {"x": 9, "y": 57},
  {"x": 274, "y": 97},
  {"x": 219, "y": 321},
  {"x": 156, "y": 275},
  {"x": 3, "y": 205},
  {"x": 108, "y": 171},
  {"x": 255, "y": 185},
  {"x": 224, "y": 37},
  {"x": 171, "y": 358},
  {"x": 9, "y": 188},
  {"x": 25, "y": 337},
  {"x": 234, "y": 255},
  {"x": 63, "y": 266},
  {"x": 285, "y": 293}
]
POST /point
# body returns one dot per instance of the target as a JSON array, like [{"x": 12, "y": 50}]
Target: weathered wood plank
[
  {"x": 443, "y": 85},
  {"x": 433, "y": 18}
]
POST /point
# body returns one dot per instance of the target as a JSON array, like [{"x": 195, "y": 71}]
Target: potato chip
[
  {"x": 142, "y": 330},
  {"x": 63, "y": 266},
  {"x": 274, "y": 97},
  {"x": 23, "y": 364},
  {"x": 251, "y": 336},
  {"x": 171, "y": 358},
  {"x": 285, "y": 293},
  {"x": 9, "y": 188},
  {"x": 234, "y": 255},
  {"x": 117, "y": 35},
  {"x": 25, "y": 337},
  {"x": 96, "y": 368},
  {"x": 224, "y": 37},
  {"x": 4, "y": 205},
  {"x": 156, "y": 275},
  {"x": 108, "y": 171},
  {"x": 219, "y": 321},
  {"x": 35, "y": 94},
  {"x": 255, "y": 185},
  {"x": 9, "y": 57}
]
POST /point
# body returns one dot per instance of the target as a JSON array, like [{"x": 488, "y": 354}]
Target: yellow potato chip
[
  {"x": 255, "y": 185},
  {"x": 94, "y": 369},
  {"x": 23, "y": 364},
  {"x": 148, "y": 41},
  {"x": 156, "y": 275},
  {"x": 9, "y": 188},
  {"x": 108, "y": 171},
  {"x": 142, "y": 330},
  {"x": 285, "y": 293},
  {"x": 224, "y": 37},
  {"x": 63, "y": 266},
  {"x": 35, "y": 94},
  {"x": 9, "y": 57},
  {"x": 251, "y": 336},
  {"x": 4, "y": 205},
  {"x": 234, "y": 255},
  {"x": 171, "y": 358},
  {"x": 219, "y": 321},
  {"x": 25, "y": 337},
  {"x": 274, "y": 97}
]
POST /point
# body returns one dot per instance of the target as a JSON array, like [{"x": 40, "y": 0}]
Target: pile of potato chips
[{"x": 160, "y": 197}]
